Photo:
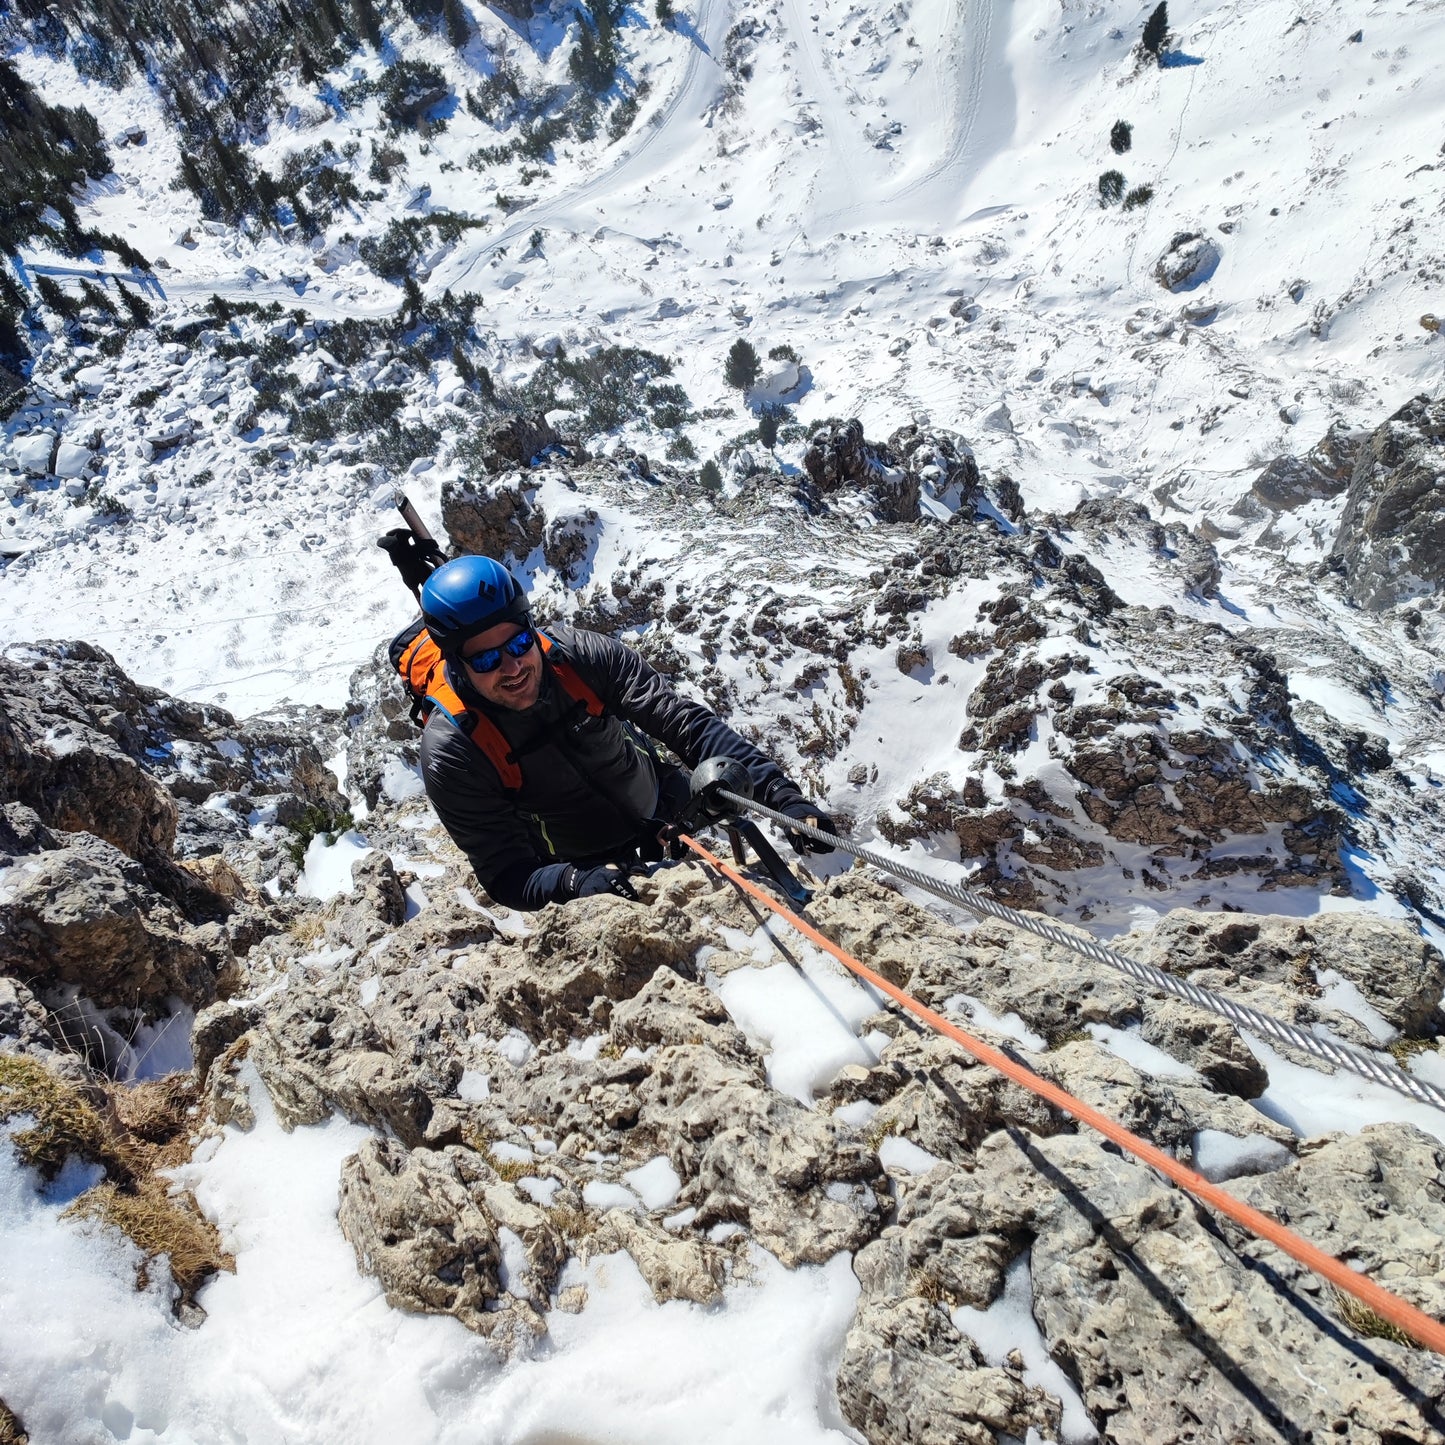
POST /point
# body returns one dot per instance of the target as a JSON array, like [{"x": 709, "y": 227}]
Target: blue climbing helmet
[{"x": 466, "y": 596}]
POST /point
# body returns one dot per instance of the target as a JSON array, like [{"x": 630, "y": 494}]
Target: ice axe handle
[{"x": 412, "y": 518}]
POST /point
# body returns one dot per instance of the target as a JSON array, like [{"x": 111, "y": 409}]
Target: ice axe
[{"x": 413, "y": 550}]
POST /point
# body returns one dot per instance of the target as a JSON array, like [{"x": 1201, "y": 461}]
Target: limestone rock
[
  {"x": 84, "y": 915},
  {"x": 1375, "y": 1199},
  {"x": 1391, "y": 539},
  {"x": 415, "y": 1226},
  {"x": 316, "y": 1054},
  {"x": 909, "y": 1378},
  {"x": 1167, "y": 1331},
  {"x": 583, "y": 958},
  {"x": 493, "y": 519},
  {"x": 803, "y": 1184},
  {"x": 673, "y": 1010},
  {"x": 1205, "y": 1042},
  {"x": 674, "y": 1268},
  {"x": 1398, "y": 972}
]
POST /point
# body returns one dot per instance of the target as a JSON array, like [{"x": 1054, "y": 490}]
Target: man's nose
[{"x": 510, "y": 665}]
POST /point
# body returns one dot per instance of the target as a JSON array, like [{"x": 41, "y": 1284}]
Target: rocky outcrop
[
  {"x": 492, "y": 519},
  {"x": 1190, "y": 260},
  {"x": 79, "y": 914},
  {"x": 909, "y": 1377},
  {"x": 605, "y": 1057},
  {"x": 418, "y": 1221},
  {"x": 1391, "y": 540},
  {"x": 838, "y": 457},
  {"x": 941, "y": 464},
  {"x": 92, "y": 751},
  {"x": 1142, "y": 1301}
]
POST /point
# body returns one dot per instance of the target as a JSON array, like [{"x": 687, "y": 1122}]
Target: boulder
[
  {"x": 521, "y": 441},
  {"x": 908, "y": 1377},
  {"x": 35, "y": 452},
  {"x": 1391, "y": 539},
  {"x": 1190, "y": 260},
  {"x": 415, "y": 1226},
  {"x": 83, "y": 916},
  {"x": 492, "y": 519}
]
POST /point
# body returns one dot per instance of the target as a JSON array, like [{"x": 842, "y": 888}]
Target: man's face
[{"x": 516, "y": 683}]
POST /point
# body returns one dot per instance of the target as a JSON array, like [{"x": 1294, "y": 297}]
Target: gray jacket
[{"x": 592, "y": 787}]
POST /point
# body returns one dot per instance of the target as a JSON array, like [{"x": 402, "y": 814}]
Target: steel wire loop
[{"x": 1374, "y": 1067}]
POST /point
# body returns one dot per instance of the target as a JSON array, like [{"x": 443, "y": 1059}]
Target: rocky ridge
[{"x": 517, "y": 1078}]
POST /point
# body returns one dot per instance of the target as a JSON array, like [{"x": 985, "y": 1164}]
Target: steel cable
[
  {"x": 1420, "y": 1326},
  {"x": 1374, "y": 1067}
]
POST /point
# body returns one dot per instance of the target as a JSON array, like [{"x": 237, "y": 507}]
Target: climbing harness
[
  {"x": 1367, "y": 1065},
  {"x": 1428, "y": 1332}
]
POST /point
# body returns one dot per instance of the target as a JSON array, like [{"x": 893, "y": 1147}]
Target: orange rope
[{"x": 1427, "y": 1331}]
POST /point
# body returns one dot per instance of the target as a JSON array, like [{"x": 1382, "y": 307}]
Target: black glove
[
  {"x": 589, "y": 882},
  {"x": 415, "y": 559},
  {"x": 806, "y": 812}
]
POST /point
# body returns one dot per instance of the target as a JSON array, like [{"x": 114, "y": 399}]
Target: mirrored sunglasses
[{"x": 490, "y": 659}]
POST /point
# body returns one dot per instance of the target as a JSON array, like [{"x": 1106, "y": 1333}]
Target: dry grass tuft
[
  {"x": 1366, "y": 1323},
  {"x": 66, "y": 1122},
  {"x": 1405, "y": 1049},
  {"x": 12, "y": 1432},
  {"x": 309, "y": 928},
  {"x": 159, "y": 1224},
  {"x": 926, "y": 1287},
  {"x": 160, "y": 1113},
  {"x": 511, "y": 1170},
  {"x": 146, "y": 1127},
  {"x": 572, "y": 1224}
]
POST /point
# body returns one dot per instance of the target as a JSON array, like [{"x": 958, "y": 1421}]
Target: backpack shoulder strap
[
  {"x": 480, "y": 728},
  {"x": 569, "y": 677}
]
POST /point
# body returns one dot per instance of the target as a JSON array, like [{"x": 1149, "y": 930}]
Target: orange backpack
[{"x": 419, "y": 661}]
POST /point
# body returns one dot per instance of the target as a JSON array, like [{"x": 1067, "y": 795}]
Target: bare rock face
[
  {"x": 92, "y": 751},
  {"x": 580, "y": 961},
  {"x": 803, "y": 1184},
  {"x": 382, "y": 740},
  {"x": 1391, "y": 540},
  {"x": 492, "y": 519},
  {"x": 80, "y": 914},
  {"x": 1142, "y": 1303},
  {"x": 673, "y": 1268},
  {"x": 62, "y": 757},
  {"x": 839, "y": 457},
  {"x": 1399, "y": 973},
  {"x": 1323, "y": 472},
  {"x": 1190, "y": 261}
]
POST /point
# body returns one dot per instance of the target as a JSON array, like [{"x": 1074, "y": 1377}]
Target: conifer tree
[
  {"x": 459, "y": 29},
  {"x": 742, "y": 365},
  {"x": 1156, "y": 27}
]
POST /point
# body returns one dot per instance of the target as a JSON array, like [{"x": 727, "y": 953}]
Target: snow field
[{"x": 298, "y": 1345}]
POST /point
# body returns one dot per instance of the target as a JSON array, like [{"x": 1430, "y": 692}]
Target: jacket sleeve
[
  {"x": 483, "y": 822},
  {"x": 640, "y": 695}
]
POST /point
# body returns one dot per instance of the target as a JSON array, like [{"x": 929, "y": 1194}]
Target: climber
[{"x": 538, "y": 754}]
